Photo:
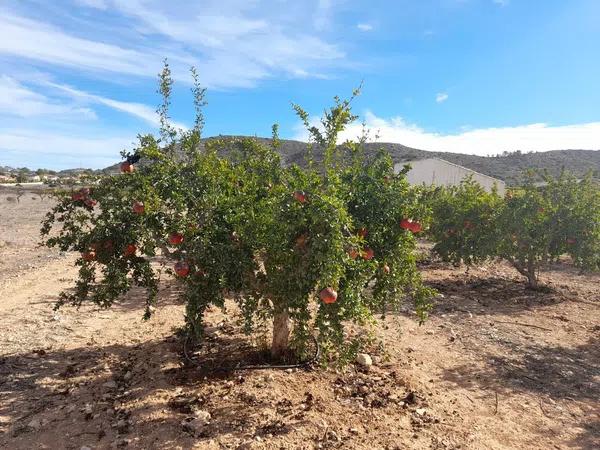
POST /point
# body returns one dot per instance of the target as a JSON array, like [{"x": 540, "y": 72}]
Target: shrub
[{"x": 307, "y": 248}]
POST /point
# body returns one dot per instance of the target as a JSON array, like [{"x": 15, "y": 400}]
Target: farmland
[{"x": 496, "y": 366}]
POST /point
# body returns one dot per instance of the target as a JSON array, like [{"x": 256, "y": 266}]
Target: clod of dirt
[
  {"x": 202, "y": 416},
  {"x": 120, "y": 443},
  {"x": 88, "y": 410},
  {"x": 35, "y": 424},
  {"x": 196, "y": 426},
  {"x": 411, "y": 398},
  {"x": 364, "y": 360}
]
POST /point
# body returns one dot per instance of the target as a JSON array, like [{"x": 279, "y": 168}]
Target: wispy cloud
[
  {"x": 138, "y": 110},
  {"x": 501, "y": 2},
  {"x": 32, "y": 40},
  {"x": 441, "y": 97},
  {"x": 364, "y": 27},
  {"x": 18, "y": 100},
  {"x": 483, "y": 141},
  {"x": 226, "y": 41}
]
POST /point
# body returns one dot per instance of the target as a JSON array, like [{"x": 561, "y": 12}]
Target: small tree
[
  {"x": 464, "y": 222},
  {"x": 308, "y": 248},
  {"x": 532, "y": 226},
  {"x": 543, "y": 221}
]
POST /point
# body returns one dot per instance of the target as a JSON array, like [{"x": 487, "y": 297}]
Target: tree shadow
[
  {"x": 553, "y": 372},
  {"x": 490, "y": 295},
  {"x": 130, "y": 390},
  {"x": 169, "y": 293},
  {"x": 469, "y": 290},
  {"x": 558, "y": 372},
  {"x": 590, "y": 439}
]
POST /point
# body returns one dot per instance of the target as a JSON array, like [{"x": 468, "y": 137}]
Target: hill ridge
[{"x": 508, "y": 168}]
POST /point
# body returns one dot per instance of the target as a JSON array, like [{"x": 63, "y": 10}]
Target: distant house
[{"x": 438, "y": 172}]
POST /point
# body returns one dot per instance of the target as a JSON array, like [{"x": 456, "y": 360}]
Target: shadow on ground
[
  {"x": 553, "y": 373},
  {"x": 90, "y": 394}
]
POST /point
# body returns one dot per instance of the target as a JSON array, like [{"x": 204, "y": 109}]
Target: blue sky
[{"x": 78, "y": 77}]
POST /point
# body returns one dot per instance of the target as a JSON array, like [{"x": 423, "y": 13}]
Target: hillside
[{"x": 507, "y": 168}]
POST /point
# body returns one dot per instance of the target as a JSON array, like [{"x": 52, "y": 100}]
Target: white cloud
[
  {"x": 18, "y": 100},
  {"x": 501, "y": 2},
  {"x": 139, "y": 110},
  {"x": 364, "y": 27},
  {"x": 33, "y": 40},
  {"x": 441, "y": 97},
  {"x": 230, "y": 45},
  {"x": 483, "y": 141}
]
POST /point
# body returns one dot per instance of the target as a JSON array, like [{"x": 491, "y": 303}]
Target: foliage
[
  {"x": 245, "y": 227},
  {"x": 542, "y": 222},
  {"x": 533, "y": 225},
  {"x": 464, "y": 228}
]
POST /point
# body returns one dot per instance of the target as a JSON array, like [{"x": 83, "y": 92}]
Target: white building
[{"x": 438, "y": 172}]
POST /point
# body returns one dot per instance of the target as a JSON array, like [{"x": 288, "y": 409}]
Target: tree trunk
[
  {"x": 530, "y": 273},
  {"x": 532, "y": 279},
  {"x": 281, "y": 334}
]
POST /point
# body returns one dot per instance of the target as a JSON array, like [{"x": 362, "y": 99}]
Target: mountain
[{"x": 507, "y": 167}]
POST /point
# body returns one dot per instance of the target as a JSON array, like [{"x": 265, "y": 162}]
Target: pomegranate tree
[
  {"x": 281, "y": 242},
  {"x": 533, "y": 225}
]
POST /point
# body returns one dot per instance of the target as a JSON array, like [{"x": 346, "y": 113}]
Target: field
[{"x": 495, "y": 367}]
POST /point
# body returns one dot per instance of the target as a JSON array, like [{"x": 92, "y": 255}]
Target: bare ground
[{"x": 495, "y": 367}]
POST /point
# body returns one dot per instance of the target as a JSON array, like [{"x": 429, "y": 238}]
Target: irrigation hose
[{"x": 308, "y": 362}]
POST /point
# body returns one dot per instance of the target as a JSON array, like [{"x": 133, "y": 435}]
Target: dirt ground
[{"x": 495, "y": 367}]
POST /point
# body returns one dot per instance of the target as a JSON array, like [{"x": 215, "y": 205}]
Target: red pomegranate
[
  {"x": 301, "y": 240},
  {"x": 130, "y": 250},
  {"x": 416, "y": 227},
  {"x": 138, "y": 207},
  {"x": 127, "y": 167},
  {"x": 368, "y": 253},
  {"x": 182, "y": 269},
  {"x": 328, "y": 295},
  {"x": 175, "y": 238},
  {"x": 406, "y": 224},
  {"x": 89, "y": 255},
  {"x": 300, "y": 196}
]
